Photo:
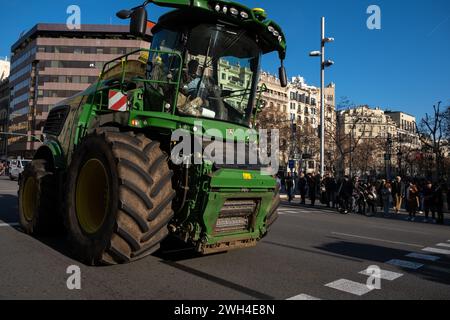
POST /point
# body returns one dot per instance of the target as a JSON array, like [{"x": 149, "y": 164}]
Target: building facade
[
  {"x": 4, "y": 111},
  {"x": 5, "y": 67},
  {"x": 295, "y": 110},
  {"x": 366, "y": 138},
  {"x": 50, "y": 63}
]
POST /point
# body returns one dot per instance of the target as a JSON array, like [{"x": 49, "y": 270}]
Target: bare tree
[
  {"x": 270, "y": 118},
  {"x": 346, "y": 139},
  {"x": 431, "y": 131}
]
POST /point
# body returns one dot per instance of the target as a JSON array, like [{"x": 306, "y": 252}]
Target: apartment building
[{"x": 50, "y": 63}]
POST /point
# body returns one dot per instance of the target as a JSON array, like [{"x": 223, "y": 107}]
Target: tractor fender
[{"x": 52, "y": 152}]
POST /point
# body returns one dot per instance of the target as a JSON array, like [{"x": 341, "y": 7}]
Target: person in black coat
[
  {"x": 345, "y": 194},
  {"x": 290, "y": 186},
  {"x": 312, "y": 187},
  {"x": 302, "y": 187},
  {"x": 438, "y": 201},
  {"x": 429, "y": 201},
  {"x": 331, "y": 189}
]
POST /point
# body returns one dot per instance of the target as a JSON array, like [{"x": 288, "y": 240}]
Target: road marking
[
  {"x": 422, "y": 256},
  {"x": 385, "y": 275},
  {"x": 289, "y": 212},
  {"x": 381, "y": 240},
  {"x": 405, "y": 264},
  {"x": 355, "y": 288},
  {"x": 436, "y": 250},
  {"x": 304, "y": 297},
  {"x": 447, "y": 245},
  {"x": 9, "y": 225}
]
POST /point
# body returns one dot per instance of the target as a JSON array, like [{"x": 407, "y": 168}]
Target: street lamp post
[{"x": 323, "y": 64}]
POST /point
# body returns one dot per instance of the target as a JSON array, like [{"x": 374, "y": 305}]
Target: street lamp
[{"x": 323, "y": 64}]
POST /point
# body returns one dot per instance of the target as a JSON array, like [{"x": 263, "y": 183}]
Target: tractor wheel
[
  {"x": 38, "y": 198},
  {"x": 119, "y": 198}
]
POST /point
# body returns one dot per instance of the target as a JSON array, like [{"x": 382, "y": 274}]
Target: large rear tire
[
  {"x": 38, "y": 199},
  {"x": 119, "y": 198}
]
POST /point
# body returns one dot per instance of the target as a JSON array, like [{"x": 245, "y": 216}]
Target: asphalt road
[{"x": 310, "y": 253}]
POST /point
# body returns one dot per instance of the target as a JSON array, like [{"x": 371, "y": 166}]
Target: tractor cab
[{"x": 213, "y": 53}]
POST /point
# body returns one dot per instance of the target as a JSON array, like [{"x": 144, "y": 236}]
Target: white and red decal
[{"x": 117, "y": 101}]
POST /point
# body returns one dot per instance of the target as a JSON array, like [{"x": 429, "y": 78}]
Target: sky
[{"x": 403, "y": 66}]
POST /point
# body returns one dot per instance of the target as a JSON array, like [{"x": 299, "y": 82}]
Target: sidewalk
[{"x": 403, "y": 215}]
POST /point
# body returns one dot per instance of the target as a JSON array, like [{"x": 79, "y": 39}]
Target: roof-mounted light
[
  {"x": 217, "y": 7},
  {"x": 234, "y": 11},
  {"x": 225, "y": 10},
  {"x": 260, "y": 14},
  {"x": 244, "y": 15}
]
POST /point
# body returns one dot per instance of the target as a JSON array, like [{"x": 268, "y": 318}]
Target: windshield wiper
[{"x": 230, "y": 93}]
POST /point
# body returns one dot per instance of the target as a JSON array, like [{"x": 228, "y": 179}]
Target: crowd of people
[{"x": 366, "y": 196}]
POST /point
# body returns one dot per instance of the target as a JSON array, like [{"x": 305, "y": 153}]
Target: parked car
[{"x": 17, "y": 166}]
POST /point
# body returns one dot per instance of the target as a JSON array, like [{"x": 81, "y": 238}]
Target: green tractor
[{"x": 104, "y": 171}]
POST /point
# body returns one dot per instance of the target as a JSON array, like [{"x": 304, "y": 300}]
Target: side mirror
[
  {"x": 138, "y": 23},
  {"x": 283, "y": 76}
]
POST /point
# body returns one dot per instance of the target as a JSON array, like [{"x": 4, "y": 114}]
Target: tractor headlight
[
  {"x": 225, "y": 10},
  {"x": 234, "y": 11},
  {"x": 244, "y": 15},
  {"x": 271, "y": 29},
  {"x": 217, "y": 7}
]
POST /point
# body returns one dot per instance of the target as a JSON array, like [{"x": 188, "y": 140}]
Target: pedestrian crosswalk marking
[
  {"x": 384, "y": 275},
  {"x": 444, "y": 245},
  {"x": 304, "y": 297},
  {"x": 405, "y": 264},
  {"x": 436, "y": 250},
  {"x": 355, "y": 288},
  {"x": 422, "y": 256}
]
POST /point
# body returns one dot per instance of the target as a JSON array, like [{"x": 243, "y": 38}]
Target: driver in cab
[{"x": 189, "y": 101}]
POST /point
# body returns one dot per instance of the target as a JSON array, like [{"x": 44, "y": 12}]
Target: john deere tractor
[{"x": 104, "y": 171}]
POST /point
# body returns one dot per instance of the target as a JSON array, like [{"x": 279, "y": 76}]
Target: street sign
[{"x": 291, "y": 164}]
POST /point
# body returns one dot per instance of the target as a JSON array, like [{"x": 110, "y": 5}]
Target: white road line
[
  {"x": 385, "y": 275},
  {"x": 422, "y": 256},
  {"x": 355, "y": 288},
  {"x": 375, "y": 239},
  {"x": 9, "y": 225},
  {"x": 447, "y": 245},
  {"x": 304, "y": 297},
  {"x": 436, "y": 250},
  {"x": 290, "y": 212},
  {"x": 405, "y": 264}
]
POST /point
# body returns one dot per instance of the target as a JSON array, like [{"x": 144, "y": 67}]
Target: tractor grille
[
  {"x": 237, "y": 215},
  {"x": 55, "y": 120}
]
